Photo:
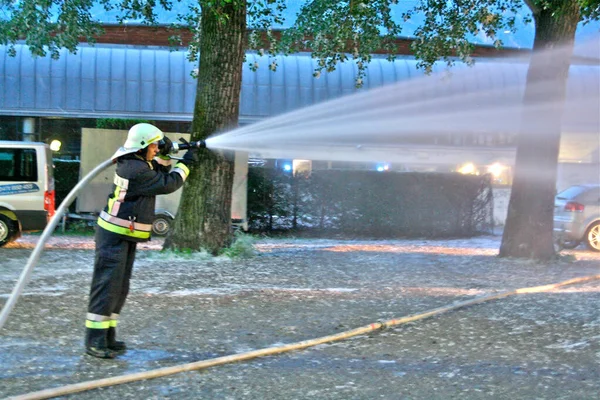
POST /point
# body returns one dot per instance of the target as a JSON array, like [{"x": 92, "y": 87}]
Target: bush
[
  {"x": 370, "y": 203},
  {"x": 119, "y": 123},
  {"x": 242, "y": 246}
]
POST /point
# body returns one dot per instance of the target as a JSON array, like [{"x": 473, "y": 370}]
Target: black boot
[
  {"x": 96, "y": 343},
  {"x": 113, "y": 344}
]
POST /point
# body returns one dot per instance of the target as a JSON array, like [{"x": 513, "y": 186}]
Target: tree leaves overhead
[
  {"x": 47, "y": 26},
  {"x": 448, "y": 26},
  {"x": 590, "y": 10},
  {"x": 333, "y": 30},
  {"x": 262, "y": 16}
]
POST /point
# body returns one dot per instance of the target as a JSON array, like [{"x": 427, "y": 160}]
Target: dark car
[{"x": 577, "y": 216}]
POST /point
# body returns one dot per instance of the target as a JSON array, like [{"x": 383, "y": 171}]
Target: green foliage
[
  {"x": 80, "y": 228},
  {"x": 118, "y": 123},
  {"x": 335, "y": 31},
  {"x": 566, "y": 258},
  {"x": 267, "y": 195},
  {"x": 242, "y": 246},
  {"x": 448, "y": 25},
  {"x": 371, "y": 203},
  {"x": 47, "y": 28},
  {"x": 184, "y": 254},
  {"x": 590, "y": 10}
]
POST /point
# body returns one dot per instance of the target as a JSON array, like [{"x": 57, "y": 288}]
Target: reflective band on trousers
[
  {"x": 112, "y": 320},
  {"x": 97, "y": 324},
  {"x": 98, "y": 317},
  {"x": 122, "y": 231}
]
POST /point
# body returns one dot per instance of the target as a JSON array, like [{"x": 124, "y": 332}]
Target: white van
[{"x": 26, "y": 188}]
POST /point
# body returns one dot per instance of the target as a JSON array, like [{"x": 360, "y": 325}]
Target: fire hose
[
  {"x": 376, "y": 326},
  {"x": 172, "y": 148},
  {"x": 35, "y": 255}
]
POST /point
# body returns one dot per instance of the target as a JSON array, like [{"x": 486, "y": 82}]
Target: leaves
[
  {"x": 448, "y": 27},
  {"x": 334, "y": 31},
  {"x": 337, "y": 31}
]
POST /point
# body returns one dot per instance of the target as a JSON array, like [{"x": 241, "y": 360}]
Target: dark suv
[{"x": 577, "y": 216}]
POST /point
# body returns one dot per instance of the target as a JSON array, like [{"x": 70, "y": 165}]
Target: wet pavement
[{"x": 187, "y": 309}]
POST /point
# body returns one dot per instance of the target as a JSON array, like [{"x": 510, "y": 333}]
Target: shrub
[{"x": 370, "y": 203}]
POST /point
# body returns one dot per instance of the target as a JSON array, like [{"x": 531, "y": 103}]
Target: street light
[
  {"x": 496, "y": 170},
  {"x": 55, "y": 145},
  {"x": 467, "y": 169}
]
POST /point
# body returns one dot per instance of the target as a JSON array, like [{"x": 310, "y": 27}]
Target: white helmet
[{"x": 139, "y": 137}]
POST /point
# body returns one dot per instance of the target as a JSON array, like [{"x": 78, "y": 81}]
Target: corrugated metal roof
[{"x": 155, "y": 83}]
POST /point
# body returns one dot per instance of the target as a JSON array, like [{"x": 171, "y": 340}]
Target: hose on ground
[
  {"x": 35, "y": 255},
  {"x": 157, "y": 373}
]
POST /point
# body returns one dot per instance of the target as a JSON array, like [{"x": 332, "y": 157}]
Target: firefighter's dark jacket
[{"x": 130, "y": 209}]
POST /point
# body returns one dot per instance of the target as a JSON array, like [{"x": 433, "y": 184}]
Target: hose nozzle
[{"x": 173, "y": 147}]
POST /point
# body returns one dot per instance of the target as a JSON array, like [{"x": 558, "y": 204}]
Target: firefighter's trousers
[{"x": 112, "y": 272}]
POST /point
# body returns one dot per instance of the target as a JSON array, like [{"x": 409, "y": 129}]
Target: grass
[{"x": 242, "y": 246}]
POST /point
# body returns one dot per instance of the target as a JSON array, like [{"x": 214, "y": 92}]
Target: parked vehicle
[
  {"x": 577, "y": 216},
  {"x": 26, "y": 188}
]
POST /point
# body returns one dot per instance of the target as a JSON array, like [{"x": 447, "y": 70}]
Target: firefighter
[{"x": 125, "y": 221}]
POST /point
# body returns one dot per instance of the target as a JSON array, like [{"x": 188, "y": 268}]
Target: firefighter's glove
[
  {"x": 165, "y": 147},
  {"x": 191, "y": 157}
]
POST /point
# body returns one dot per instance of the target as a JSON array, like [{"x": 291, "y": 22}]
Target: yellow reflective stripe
[
  {"x": 97, "y": 324},
  {"x": 122, "y": 231},
  {"x": 125, "y": 223},
  {"x": 154, "y": 139},
  {"x": 111, "y": 202},
  {"x": 113, "y": 323},
  {"x": 183, "y": 167},
  {"x": 182, "y": 170}
]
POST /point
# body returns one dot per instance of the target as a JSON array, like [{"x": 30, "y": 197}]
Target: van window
[{"x": 18, "y": 165}]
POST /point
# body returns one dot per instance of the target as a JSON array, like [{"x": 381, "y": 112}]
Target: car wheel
[
  {"x": 592, "y": 237},
  {"x": 8, "y": 231},
  {"x": 162, "y": 225}
]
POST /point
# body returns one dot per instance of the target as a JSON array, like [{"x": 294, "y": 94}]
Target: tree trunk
[
  {"x": 204, "y": 216},
  {"x": 529, "y": 223}
]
